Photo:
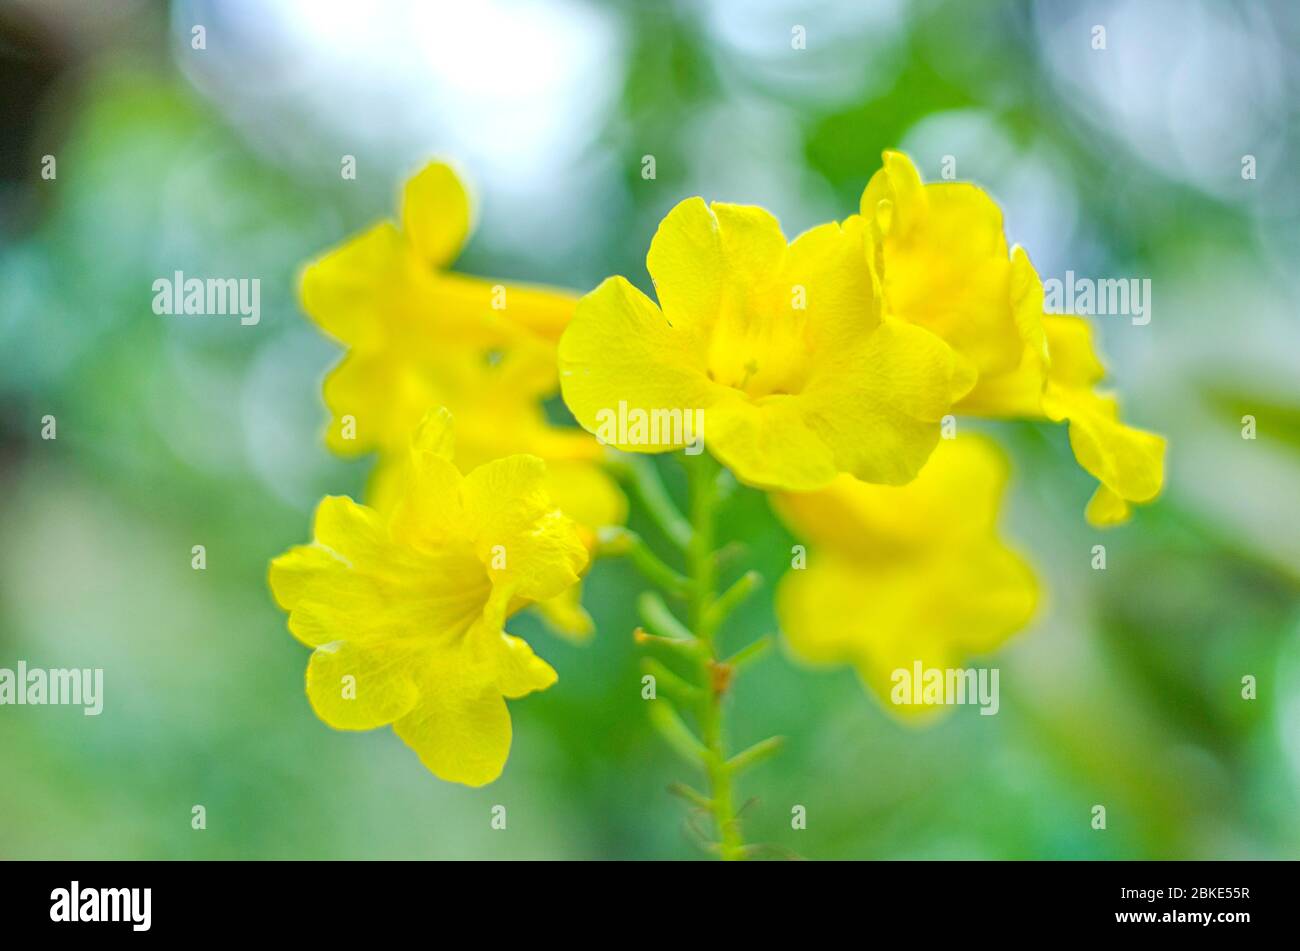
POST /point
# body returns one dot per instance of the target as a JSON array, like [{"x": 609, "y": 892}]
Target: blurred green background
[{"x": 225, "y": 161}]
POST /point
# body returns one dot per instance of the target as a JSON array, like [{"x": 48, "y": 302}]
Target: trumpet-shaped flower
[
  {"x": 901, "y": 574},
  {"x": 420, "y": 336},
  {"x": 942, "y": 261},
  {"x": 781, "y": 348},
  {"x": 415, "y": 331},
  {"x": 406, "y": 611}
]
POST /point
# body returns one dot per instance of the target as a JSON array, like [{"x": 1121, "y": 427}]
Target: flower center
[{"x": 758, "y": 348}]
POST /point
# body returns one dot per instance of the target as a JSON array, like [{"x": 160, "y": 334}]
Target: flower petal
[
  {"x": 1074, "y": 360},
  {"x": 436, "y": 213},
  {"x": 530, "y": 548},
  {"x": 772, "y": 444},
  {"x": 355, "y": 532},
  {"x": 752, "y": 243},
  {"x": 944, "y": 263},
  {"x": 956, "y": 496},
  {"x": 906, "y": 375},
  {"x": 1129, "y": 462},
  {"x": 357, "y": 290},
  {"x": 621, "y": 351},
  {"x": 565, "y": 615},
  {"x": 1017, "y": 392},
  {"x": 520, "y": 671},
  {"x": 360, "y": 687},
  {"x": 506, "y": 660},
  {"x": 459, "y": 727},
  {"x": 501, "y": 312},
  {"x": 1105, "y": 508},
  {"x": 687, "y": 265}
]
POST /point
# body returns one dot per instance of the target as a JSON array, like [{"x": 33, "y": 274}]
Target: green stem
[
  {"x": 699, "y": 553},
  {"x": 692, "y": 645},
  {"x": 730, "y": 844},
  {"x": 704, "y": 622}
]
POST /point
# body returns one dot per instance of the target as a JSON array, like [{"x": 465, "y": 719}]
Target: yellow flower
[
  {"x": 417, "y": 333},
  {"x": 420, "y": 337},
  {"x": 939, "y": 254},
  {"x": 406, "y": 611},
  {"x": 781, "y": 348},
  {"x": 579, "y": 488},
  {"x": 900, "y": 574}
]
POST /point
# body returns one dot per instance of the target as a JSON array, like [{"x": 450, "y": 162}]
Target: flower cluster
[
  {"x": 840, "y": 352},
  {"x": 421, "y": 337},
  {"x": 405, "y": 598},
  {"x": 829, "y": 371}
]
